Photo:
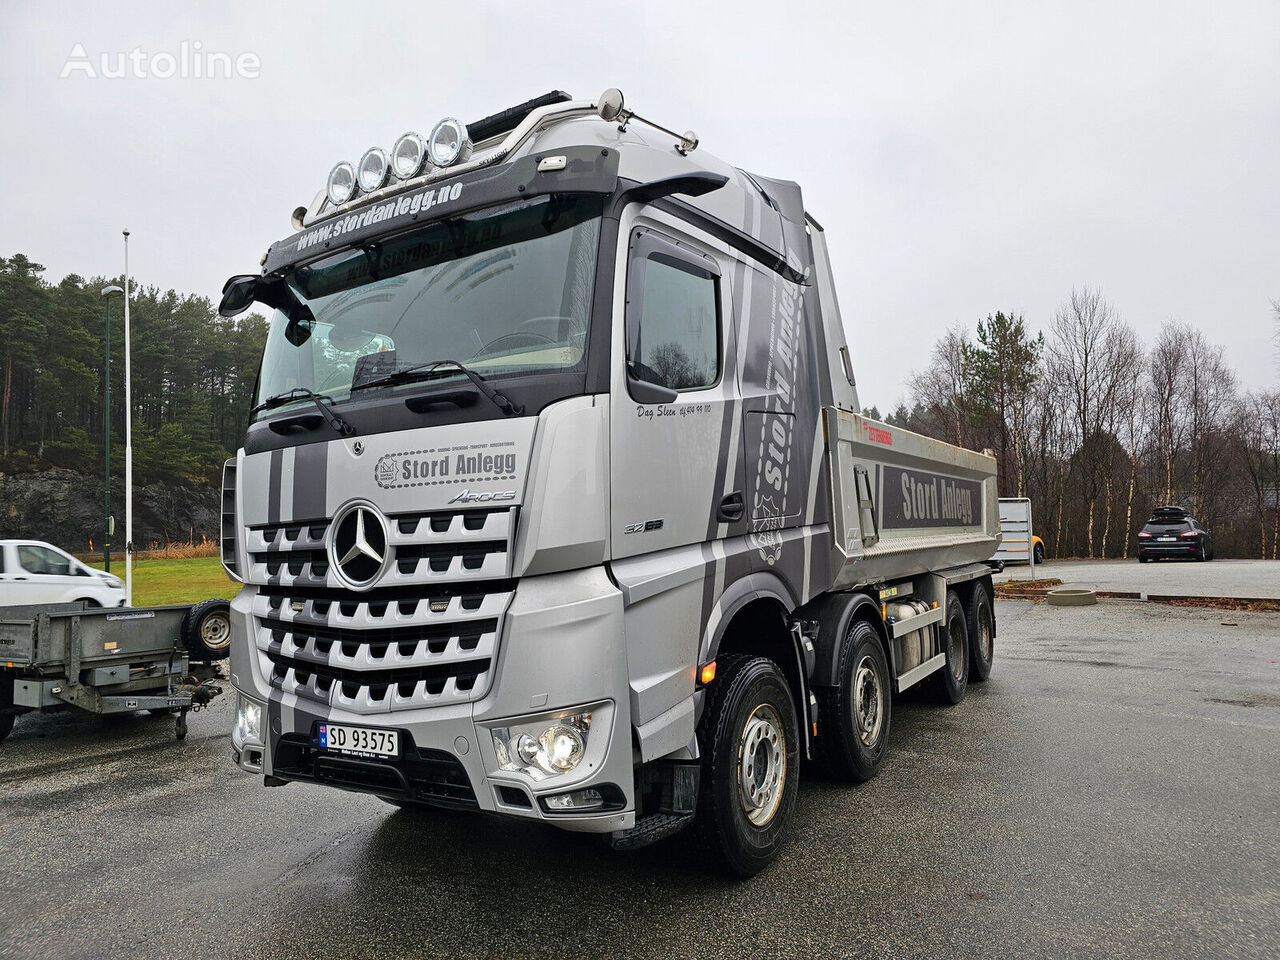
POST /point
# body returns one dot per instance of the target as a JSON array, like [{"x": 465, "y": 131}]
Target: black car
[{"x": 1171, "y": 532}]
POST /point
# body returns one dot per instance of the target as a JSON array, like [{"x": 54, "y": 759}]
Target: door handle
[{"x": 731, "y": 509}]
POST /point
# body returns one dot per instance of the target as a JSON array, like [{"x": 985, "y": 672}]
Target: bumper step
[{"x": 650, "y": 829}]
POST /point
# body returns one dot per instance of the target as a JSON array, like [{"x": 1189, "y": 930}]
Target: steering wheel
[{"x": 526, "y": 335}]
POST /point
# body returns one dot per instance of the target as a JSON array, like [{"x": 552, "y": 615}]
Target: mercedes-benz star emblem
[{"x": 359, "y": 548}]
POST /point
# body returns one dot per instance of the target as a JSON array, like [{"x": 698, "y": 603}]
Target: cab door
[{"x": 675, "y": 435}]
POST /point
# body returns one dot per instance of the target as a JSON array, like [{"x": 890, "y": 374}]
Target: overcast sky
[{"x": 963, "y": 158}]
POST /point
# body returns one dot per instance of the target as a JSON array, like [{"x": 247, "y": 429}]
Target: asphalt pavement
[
  {"x": 1216, "y": 578},
  {"x": 1112, "y": 790}
]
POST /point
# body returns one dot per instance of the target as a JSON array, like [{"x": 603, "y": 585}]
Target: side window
[
  {"x": 43, "y": 560},
  {"x": 673, "y": 316},
  {"x": 3, "y": 551}
]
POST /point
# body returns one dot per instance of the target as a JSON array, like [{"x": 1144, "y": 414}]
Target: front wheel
[
  {"x": 749, "y": 739},
  {"x": 856, "y": 713},
  {"x": 1039, "y": 553}
]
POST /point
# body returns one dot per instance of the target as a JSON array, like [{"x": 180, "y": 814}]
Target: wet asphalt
[{"x": 1112, "y": 790}]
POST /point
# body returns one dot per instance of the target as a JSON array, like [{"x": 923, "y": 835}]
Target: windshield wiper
[
  {"x": 302, "y": 393},
  {"x": 428, "y": 371}
]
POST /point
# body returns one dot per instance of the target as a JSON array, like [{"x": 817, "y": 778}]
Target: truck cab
[{"x": 555, "y": 501}]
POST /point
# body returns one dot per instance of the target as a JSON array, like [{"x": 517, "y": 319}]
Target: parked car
[
  {"x": 1171, "y": 532},
  {"x": 32, "y": 572}
]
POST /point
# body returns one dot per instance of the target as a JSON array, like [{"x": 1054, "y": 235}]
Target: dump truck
[{"x": 556, "y": 501}]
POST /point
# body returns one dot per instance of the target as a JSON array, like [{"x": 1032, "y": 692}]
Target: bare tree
[
  {"x": 945, "y": 386},
  {"x": 1085, "y": 341},
  {"x": 1166, "y": 365}
]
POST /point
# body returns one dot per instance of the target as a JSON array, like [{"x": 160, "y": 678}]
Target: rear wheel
[
  {"x": 6, "y": 725},
  {"x": 953, "y": 679},
  {"x": 749, "y": 740},
  {"x": 856, "y": 713},
  {"x": 206, "y": 630},
  {"x": 981, "y": 624}
]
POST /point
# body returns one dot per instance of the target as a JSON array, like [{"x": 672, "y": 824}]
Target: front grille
[
  {"x": 426, "y": 635},
  {"x": 425, "y": 547},
  {"x": 380, "y": 651},
  {"x": 432, "y": 776}
]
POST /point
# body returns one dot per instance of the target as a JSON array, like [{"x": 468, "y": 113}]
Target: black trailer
[{"x": 109, "y": 660}]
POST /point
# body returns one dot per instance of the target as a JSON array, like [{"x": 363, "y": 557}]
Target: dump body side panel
[{"x": 905, "y": 503}]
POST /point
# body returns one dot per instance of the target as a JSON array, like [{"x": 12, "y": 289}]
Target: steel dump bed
[{"x": 903, "y": 503}]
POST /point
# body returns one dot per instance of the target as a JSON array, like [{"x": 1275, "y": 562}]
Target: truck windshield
[{"x": 506, "y": 291}]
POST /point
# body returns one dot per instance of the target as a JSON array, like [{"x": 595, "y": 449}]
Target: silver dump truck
[{"x": 556, "y": 502}]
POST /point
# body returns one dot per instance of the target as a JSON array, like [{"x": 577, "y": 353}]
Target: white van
[{"x": 32, "y": 572}]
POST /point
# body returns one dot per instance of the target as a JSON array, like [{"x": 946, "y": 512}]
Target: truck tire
[
  {"x": 6, "y": 725},
  {"x": 206, "y": 630},
  {"x": 855, "y": 715},
  {"x": 750, "y": 744},
  {"x": 981, "y": 624},
  {"x": 952, "y": 680}
]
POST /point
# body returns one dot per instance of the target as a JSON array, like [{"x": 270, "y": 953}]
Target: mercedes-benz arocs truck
[{"x": 556, "y": 502}]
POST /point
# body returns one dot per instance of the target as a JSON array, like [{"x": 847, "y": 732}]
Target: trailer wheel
[
  {"x": 981, "y": 624},
  {"x": 953, "y": 679},
  {"x": 750, "y": 744},
  {"x": 206, "y": 630},
  {"x": 855, "y": 714},
  {"x": 6, "y": 725}
]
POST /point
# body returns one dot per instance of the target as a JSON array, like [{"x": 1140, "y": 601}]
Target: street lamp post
[
  {"x": 128, "y": 441},
  {"x": 107, "y": 530}
]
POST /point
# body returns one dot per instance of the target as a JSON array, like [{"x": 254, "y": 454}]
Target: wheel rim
[
  {"x": 215, "y": 630},
  {"x": 868, "y": 701},
  {"x": 762, "y": 765},
  {"x": 955, "y": 647}
]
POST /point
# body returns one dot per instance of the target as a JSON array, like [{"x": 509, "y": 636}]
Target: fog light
[
  {"x": 588, "y": 799},
  {"x": 248, "y": 725}
]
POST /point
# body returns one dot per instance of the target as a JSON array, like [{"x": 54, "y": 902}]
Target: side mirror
[
  {"x": 242, "y": 290},
  {"x": 237, "y": 294}
]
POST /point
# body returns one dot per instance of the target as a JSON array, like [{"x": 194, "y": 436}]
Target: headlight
[
  {"x": 407, "y": 156},
  {"x": 373, "y": 169},
  {"x": 449, "y": 143},
  {"x": 248, "y": 725},
  {"x": 543, "y": 749},
  {"x": 342, "y": 183}
]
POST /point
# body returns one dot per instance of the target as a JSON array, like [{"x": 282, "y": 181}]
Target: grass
[{"x": 157, "y": 581}]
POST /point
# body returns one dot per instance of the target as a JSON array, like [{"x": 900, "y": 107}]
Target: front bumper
[{"x": 561, "y": 648}]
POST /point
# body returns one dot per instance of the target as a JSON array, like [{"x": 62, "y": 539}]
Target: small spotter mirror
[{"x": 610, "y": 104}]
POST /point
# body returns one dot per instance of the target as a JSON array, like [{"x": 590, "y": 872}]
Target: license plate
[
  {"x": 1167, "y": 539},
  {"x": 359, "y": 741}
]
